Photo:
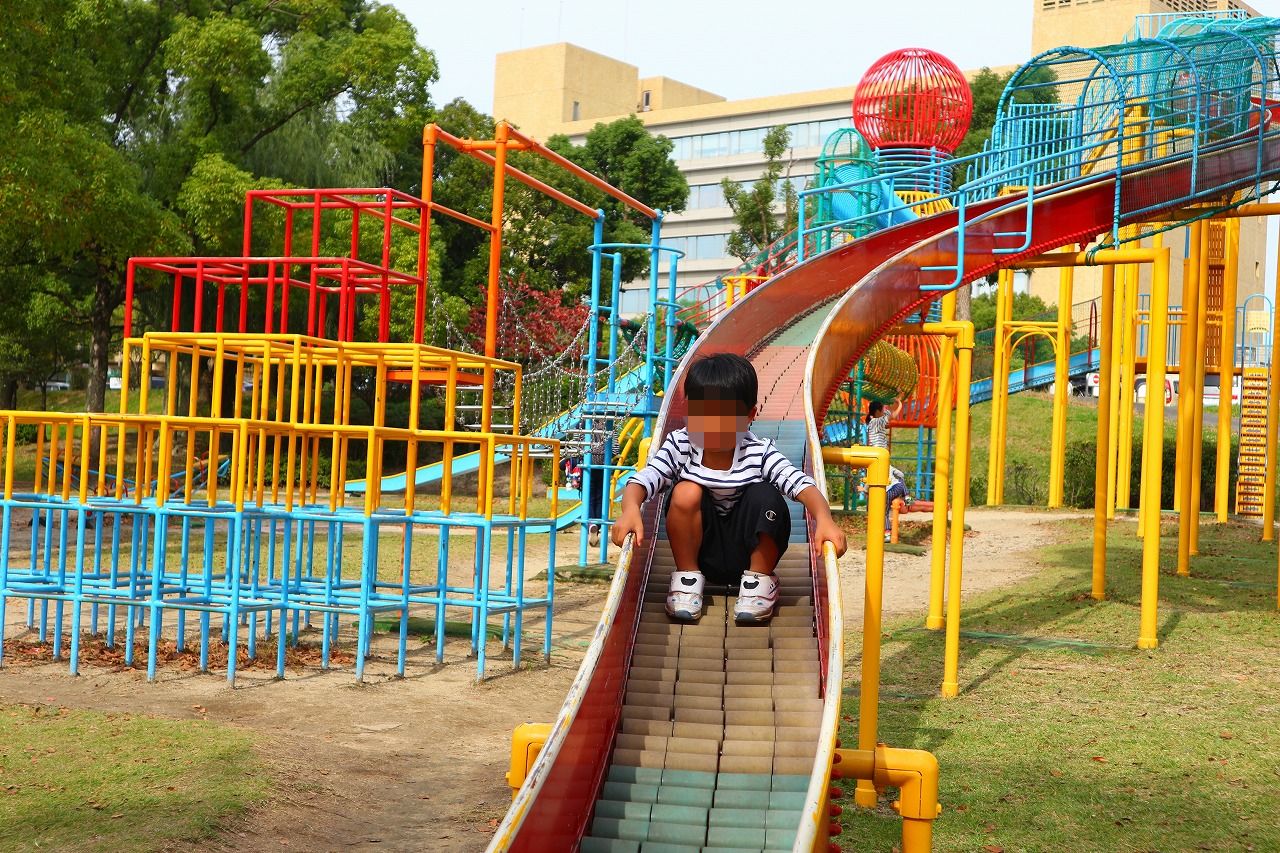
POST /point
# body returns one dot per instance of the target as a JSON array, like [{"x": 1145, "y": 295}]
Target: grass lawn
[
  {"x": 1090, "y": 744},
  {"x": 81, "y": 780}
]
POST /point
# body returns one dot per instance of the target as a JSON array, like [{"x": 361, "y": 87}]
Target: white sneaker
[
  {"x": 684, "y": 597},
  {"x": 757, "y": 598},
  {"x": 593, "y": 535}
]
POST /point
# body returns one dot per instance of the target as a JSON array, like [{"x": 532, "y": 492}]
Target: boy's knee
[{"x": 686, "y": 496}]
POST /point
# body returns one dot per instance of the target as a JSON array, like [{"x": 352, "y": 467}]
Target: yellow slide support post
[
  {"x": 999, "y": 390},
  {"x": 1154, "y": 442},
  {"x": 1154, "y": 423},
  {"x": 1061, "y": 389},
  {"x": 1103, "y": 449},
  {"x": 962, "y": 332},
  {"x": 1226, "y": 371},
  {"x": 942, "y": 470},
  {"x": 875, "y": 460},
  {"x": 1188, "y": 503},
  {"x": 1197, "y": 419}
]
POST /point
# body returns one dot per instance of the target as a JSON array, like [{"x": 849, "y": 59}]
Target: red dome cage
[{"x": 913, "y": 98}]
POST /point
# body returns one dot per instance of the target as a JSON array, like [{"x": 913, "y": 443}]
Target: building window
[
  {"x": 807, "y": 134},
  {"x": 699, "y": 247},
  {"x": 577, "y": 109},
  {"x": 645, "y": 100}
]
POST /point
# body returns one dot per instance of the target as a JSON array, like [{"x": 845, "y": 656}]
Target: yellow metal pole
[
  {"x": 1157, "y": 244},
  {"x": 1273, "y": 418},
  {"x": 999, "y": 382},
  {"x": 1061, "y": 389},
  {"x": 959, "y": 498},
  {"x": 1113, "y": 425},
  {"x": 1187, "y": 502},
  {"x": 1129, "y": 372},
  {"x": 1154, "y": 440},
  {"x": 1226, "y": 370},
  {"x": 1186, "y": 354},
  {"x": 876, "y": 461},
  {"x": 1103, "y": 450},
  {"x": 1003, "y": 423},
  {"x": 1201, "y": 365},
  {"x": 942, "y": 469}
]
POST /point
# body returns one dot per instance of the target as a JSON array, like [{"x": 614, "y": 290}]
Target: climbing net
[{"x": 557, "y": 380}]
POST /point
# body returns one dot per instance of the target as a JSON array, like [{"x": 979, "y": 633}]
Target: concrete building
[
  {"x": 566, "y": 89},
  {"x": 1089, "y": 23}
]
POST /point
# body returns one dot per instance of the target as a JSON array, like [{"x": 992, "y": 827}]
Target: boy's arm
[
  {"x": 629, "y": 520},
  {"x": 796, "y": 484},
  {"x": 825, "y": 527},
  {"x": 647, "y": 482}
]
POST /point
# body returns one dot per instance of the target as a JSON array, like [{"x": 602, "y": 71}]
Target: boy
[{"x": 726, "y": 514}]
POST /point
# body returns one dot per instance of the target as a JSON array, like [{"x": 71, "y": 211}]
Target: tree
[
  {"x": 755, "y": 208},
  {"x": 532, "y": 325},
  {"x": 549, "y": 247},
  {"x": 109, "y": 110},
  {"x": 988, "y": 87}
]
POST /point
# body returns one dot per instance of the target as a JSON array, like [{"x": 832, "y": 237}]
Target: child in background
[
  {"x": 726, "y": 515},
  {"x": 878, "y": 423}
]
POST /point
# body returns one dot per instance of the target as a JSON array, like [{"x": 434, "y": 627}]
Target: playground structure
[
  {"x": 251, "y": 499},
  {"x": 687, "y": 735}
]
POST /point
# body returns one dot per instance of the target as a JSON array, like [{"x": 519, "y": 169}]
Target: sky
[{"x": 718, "y": 45}]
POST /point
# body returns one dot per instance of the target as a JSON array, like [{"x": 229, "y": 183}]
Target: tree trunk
[
  {"x": 9, "y": 394},
  {"x": 963, "y": 311},
  {"x": 100, "y": 345}
]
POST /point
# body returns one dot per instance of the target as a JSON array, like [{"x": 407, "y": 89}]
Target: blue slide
[{"x": 890, "y": 209}]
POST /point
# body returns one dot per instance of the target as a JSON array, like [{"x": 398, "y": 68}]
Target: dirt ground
[{"x": 418, "y": 763}]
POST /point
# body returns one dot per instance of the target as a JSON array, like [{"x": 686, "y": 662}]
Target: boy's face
[{"x": 717, "y": 425}]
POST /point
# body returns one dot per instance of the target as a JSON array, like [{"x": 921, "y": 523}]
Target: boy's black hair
[
  {"x": 874, "y": 410},
  {"x": 723, "y": 376}
]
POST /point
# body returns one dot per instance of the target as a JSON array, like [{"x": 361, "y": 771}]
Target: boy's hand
[
  {"x": 629, "y": 522},
  {"x": 826, "y": 530}
]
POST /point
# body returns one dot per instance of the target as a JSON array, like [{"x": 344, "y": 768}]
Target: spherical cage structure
[{"x": 913, "y": 97}]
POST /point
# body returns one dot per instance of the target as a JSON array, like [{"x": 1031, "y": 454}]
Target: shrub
[{"x": 1081, "y": 465}]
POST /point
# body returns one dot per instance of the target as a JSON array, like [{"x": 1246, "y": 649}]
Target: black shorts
[{"x": 728, "y": 540}]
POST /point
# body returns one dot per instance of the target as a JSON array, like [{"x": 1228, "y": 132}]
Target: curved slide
[{"x": 717, "y": 736}]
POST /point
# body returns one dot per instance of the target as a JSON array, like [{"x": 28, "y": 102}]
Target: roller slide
[
  {"x": 714, "y": 735},
  {"x": 1038, "y": 375}
]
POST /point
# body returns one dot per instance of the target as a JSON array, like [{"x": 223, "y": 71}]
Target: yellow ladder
[{"x": 1253, "y": 441}]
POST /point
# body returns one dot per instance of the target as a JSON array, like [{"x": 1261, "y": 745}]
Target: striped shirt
[
  {"x": 878, "y": 431},
  {"x": 755, "y": 460}
]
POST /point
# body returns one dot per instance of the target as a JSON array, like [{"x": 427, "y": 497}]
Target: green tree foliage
[
  {"x": 1025, "y": 307},
  {"x": 987, "y": 87},
  {"x": 117, "y": 115},
  {"x": 756, "y": 207},
  {"x": 549, "y": 251}
]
